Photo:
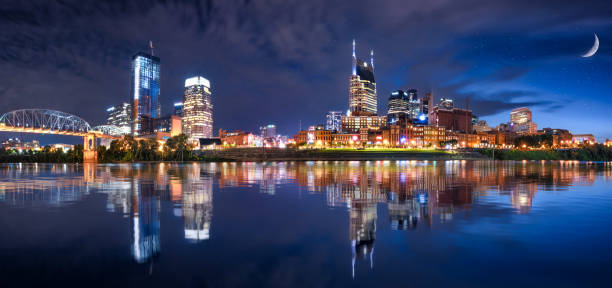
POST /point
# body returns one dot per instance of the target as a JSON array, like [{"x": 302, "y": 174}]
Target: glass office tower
[{"x": 145, "y": 90}]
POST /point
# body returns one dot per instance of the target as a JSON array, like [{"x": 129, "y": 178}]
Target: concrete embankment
[{"x": 275, "y": 154}]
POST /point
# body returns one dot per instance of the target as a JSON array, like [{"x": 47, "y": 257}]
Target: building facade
[
  {"x": 268, "y": 131},
  {"x": 333, "y": 121},
  {"x": 362, "y": 88},
  {"x": 583, "y": 139},
  {"x": 197, "y": 109},
  {"x": 426, "y": 103},
  {"x": 120, "y": 116},
  {"x": 239, "y": 138},
  {"x": 178, "y": 109},
  {"x": 453, "y": 119},
  {"x": 145, "y": 89},
  {"x": 482, "y": 126},
  {"x": 521, "y": 121},
  {"x": 398, "y": 106},
  {"x": 352, "y": 124},
  {"x": 172, "y": 124}
]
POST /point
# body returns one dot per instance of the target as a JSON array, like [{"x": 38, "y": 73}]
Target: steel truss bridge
[{"x": 45, "y": 121}]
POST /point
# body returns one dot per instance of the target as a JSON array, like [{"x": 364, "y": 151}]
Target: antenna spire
[
  {"x": 354, "y": 59},
  {"x": 151, "y": 46},
  {"x": 372, "y": 58}
]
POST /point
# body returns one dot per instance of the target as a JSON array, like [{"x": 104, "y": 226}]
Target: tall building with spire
[
  {"x": 362, "y": 91},
  {"x": 145, "y": 90}
]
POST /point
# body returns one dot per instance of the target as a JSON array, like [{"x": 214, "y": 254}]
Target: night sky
[{"x": 284, "y": 61}]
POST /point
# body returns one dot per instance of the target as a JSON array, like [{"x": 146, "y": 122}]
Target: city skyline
[{"x": 500, "y": 67}]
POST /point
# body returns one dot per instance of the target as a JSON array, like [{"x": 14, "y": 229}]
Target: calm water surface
[{"x": 307, "y": 224}]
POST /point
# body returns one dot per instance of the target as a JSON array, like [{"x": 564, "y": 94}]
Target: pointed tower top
[
  {"x": 372, "y": 58},
  {"x": 354, "y": 70}
]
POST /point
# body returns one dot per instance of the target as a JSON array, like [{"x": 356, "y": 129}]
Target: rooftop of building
[{"x": 146, "y": 55}]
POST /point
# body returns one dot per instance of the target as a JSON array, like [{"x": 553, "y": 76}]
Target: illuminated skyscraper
[
  {"x": 145, "y": 89},
  {"x": 362, "y": 91},
  {"x": 197, "y": 108},
  {"x": 121, "y": 116}
]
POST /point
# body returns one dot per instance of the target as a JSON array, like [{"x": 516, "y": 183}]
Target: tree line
[
  {"x": 46, "y": 155},
  {"x": 127, "y": 149},
  {"x": 596, "y": 152}
]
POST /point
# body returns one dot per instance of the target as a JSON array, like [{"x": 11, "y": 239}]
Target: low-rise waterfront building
[
  {"x": 352, "y": 124},
  {"x": 240, "y": 138},
  {"x": 583, "y": 139}
]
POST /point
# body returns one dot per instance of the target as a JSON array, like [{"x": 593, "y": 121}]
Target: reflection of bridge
[{"x": 45, "y": 121}]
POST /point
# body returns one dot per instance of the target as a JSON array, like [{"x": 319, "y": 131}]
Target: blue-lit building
[{"x": 145, "y": 89}]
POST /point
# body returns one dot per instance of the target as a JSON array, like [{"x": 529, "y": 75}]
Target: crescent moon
[{"x": 593, "y": 49}]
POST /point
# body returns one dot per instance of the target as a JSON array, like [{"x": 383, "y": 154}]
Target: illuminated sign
[{"x": 178, "y": 104}]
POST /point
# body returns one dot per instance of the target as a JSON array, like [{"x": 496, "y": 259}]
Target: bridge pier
[{"x": 89, "y": 148}]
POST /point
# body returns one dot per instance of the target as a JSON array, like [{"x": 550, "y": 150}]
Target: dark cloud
[{"x": 284, "y": 61}]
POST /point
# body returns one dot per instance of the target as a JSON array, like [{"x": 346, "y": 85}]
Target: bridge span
[{"x": 46, "y": 121}]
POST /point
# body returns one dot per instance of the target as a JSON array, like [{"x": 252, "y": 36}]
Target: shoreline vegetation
[
  {"x": 176, "y": 149},
  {"x": 595, "y": 152}
]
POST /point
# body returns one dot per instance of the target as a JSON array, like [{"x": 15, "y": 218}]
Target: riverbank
[{"x": 597, "y": 152}]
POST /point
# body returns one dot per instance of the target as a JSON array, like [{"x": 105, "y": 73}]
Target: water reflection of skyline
[{"x": 414, "y": 192}]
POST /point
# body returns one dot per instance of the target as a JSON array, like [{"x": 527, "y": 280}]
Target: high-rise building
[
  {"x": 521, "y": 121},
  {"x": 415, "y": 104},
  {"x": 451, "y": 118},
  {"x": 145, "y": 88},
  {"x": 178, "y": 109},
  {"x": 197, "y": 108},
  {"x": 333, "y": 121},
  {"x": 520, "y": 116},
  {"x": 120, "y": 116},
  {"x": 362, "y": 91},
  {"x": 426, "y": 103},
  {"x": 398, "y": 106},
  {"x": 268, "y": 131}
]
